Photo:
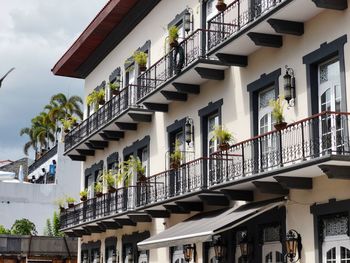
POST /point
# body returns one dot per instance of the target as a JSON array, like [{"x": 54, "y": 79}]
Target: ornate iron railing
[
  {"x": 176, "y": 60},
  {"x": 110, "y": 111},
  {"x": 319, "y": 136},
  {"x": 238, "y": 15}
]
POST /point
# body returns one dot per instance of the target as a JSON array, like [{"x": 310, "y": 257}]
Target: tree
[
  {"x": 4, "y": 231},
  {"x": 32, "y": 143},
  {"x": 23, "y": 227},
  {"x": 52, "y": 229},
  {"x": 69, "y": 105}
]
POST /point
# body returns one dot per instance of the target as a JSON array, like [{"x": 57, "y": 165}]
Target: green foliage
[
  {"x": 52, "y": 229},
  {"x": 108, "y": 177},
  {"x": 60, "y": 202},
  {"x": 84, "y": 193},
  {"x": 222, "y": 135},
  {"x": 114, "y": 85},
  {"x": 98, "y": 187},
  {"x": 176, "y": 156},
  {"x": 67, "y": 124},
  {"x": 45, "y": 127},
  {"x": 4, "y": 231},
  {"x": 95, "y": 98},
  {"x": 140, "y": 58},
  {"x": 23, "y": 227},
  {"x": 277, "y": 106},
  {"x": 128, "y": 168},
  {"x": 173, "y": 34},
  {"x": 70, "y": 200}
]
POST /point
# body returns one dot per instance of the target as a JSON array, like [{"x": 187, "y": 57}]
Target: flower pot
[
  {"x": 99, "y": 194},
  {"x": 115, "y": 92},
  {"x": 175, "y": 165},
  {"x": 280, "y": 126},
  {"x": 70, "y": 205},
  {"x": 83, "y": 198},
  {"x": 141, "y": 177},
  {"x": 224, "y": 146},
  {"x": 66, "y": 130},
  {"x": 75, "y": 124},
  {"x": 142, "y": 68},
  {"x": 174, "y": 44},
  {"x": 221, "y": 6},
  {"x": 101, "y": 102},
  {"x": 111, "y": 189}
]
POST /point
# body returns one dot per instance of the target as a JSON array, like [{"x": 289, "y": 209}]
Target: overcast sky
[{"x": 34, "y": 34}]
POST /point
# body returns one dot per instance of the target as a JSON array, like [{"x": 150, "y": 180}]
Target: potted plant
[
  {"x": 98, "y": 189},
  {"x": 67, "y": 125},
  {"x": 173, "y": 35},
  {"x": 223, "y": 136},
  {"x": 277, "y": 106},
  {"x": 123, "y": 174},
  {"x": 90, "y": 100},
  {"x": 83, "y": 195},
  {"x": 220, "y": 5},
  {"x": 70, "y": 201},
  {"x": 74, "y": 121},
  {"x": 109, "y": 178},
  {"x": 141, "y": 59},
  {"x": 114, "y": 86},
  {"x": 135, "y": 165},
  {"x": 176, "y": 156},
  {"x": 100, "y": 96},
  {"x": 60, "y": 203}
]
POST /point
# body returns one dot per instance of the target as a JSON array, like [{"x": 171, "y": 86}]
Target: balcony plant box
[
  {"x": 221, "y": 6},
  {"x": 70, "y": 202},
  {"x": 176, "y": 156},
  {"x": 98, "y": 189},
  {"x": 141, "y": 59},
  {"x": 223, "y": 137},
  {"x": 277, "y": 106},
  {"x": 115, "y": 86},
  {"x": 173, "y": 35},
  {"x": 83, "y": 195}
]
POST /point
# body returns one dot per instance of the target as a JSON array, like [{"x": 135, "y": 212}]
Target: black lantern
[
  {"x": 187, "y": 20},
  {"x": 188, "y": 252},
  {"x": 188, "y": 130},
  {"x": 244, "y": 246},
  {"x": 293, "y": 245},
  {"x": 219, "y": 248},
  {"x": 289, "y": 86},
  {"x": 130, "y": 256}
]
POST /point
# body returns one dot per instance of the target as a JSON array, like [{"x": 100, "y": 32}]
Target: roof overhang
[{"x": 116, "y": 19}]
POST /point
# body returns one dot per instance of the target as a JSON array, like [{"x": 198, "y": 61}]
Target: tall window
[
  {"x": 178, "y": 255},
  {"x": 272, "y": 247},
  {"x": 213, "y": 122},
  {"x": 211, "y": 9}
]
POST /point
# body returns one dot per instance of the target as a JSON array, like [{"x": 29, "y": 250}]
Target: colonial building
[{"x": 277, "y": 193}]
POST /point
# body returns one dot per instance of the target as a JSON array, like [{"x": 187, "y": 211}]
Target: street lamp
[
  {"x": 244, "y": 245},
  {"x": 8, "y": 72},
  {"x": 188, "y": 130},
  {"x": 219, "y": 248},
  {"x": 189, "y": 251},
  {"x": 294, "y": 245}
]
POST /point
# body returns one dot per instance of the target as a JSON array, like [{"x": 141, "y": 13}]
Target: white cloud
[{"x": 34, "y": 34}]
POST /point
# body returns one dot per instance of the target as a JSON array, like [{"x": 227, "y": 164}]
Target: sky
[{"x": 34, "y": 34}]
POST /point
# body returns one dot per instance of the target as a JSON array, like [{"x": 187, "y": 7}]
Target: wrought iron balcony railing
[
  {"x": 176, "y": 60},
  {"x": 110, "y": 111},
  {"x": 319, "y": 136},
  {"x": 237, "y": 16}
]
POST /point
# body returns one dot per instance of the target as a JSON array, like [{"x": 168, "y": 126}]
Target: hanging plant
[
  {"x": 67, "y": 125},
  {"x": 109, "y": 178},
  {"x": 221, "y": 6},
  {"x": 98, "y": 189},
  {"x": 277, "y": 106},
  {"x": 173, "y": 35},
  {"x": 141, "y": 58}
]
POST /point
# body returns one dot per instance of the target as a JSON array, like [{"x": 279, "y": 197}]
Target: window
[
  {"x": 211, "y": 9},
  {"x": 178, "y": 255},
  {"x": 213, "y": 122},
  {"x": 143, "y": 258},
  {"x": 272, "y": 247}
]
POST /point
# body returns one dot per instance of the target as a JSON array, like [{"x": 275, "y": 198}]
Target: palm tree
[
  {"x": 69, "y": 105},
  {"x": 44, "y": 129},
  {"x": 32, "y": 143}
]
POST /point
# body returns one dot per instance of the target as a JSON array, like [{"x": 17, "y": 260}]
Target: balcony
[
  {"x": 179, "y": 73},
  {"x": 107, "y": 124},
  {"x": 273, "y": 163},
  {"x": 242, "y": 29}
]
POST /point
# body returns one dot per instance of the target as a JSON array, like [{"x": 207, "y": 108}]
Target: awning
[{"x": 201, "y": 227}]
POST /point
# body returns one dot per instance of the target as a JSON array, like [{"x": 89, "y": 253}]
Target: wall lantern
[
  {"x": 294, "y": 246},
  {"x": 289, "y": 86},
  {"x": 219, "y": 248},
  {"x": 188, "y": 130},
  {"x": 189, "y": 251},
  {"x": 130, "y": 256},
  {"x": 188, "y": 20},
  {"x": 244, "y": 245}
]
